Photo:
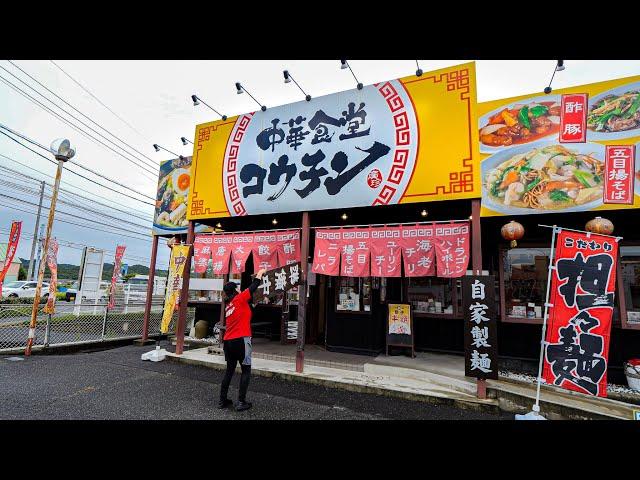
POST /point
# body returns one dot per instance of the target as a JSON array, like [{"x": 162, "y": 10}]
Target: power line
[
  {"x": 72, "y": 125},
  {"x": 78, "y": 224},
  {"x": 78, "y": 174},
  {"x": 70, "y": 185},
  {"x": 99, "y": 101},
  {"x": 153, "y": 163}
]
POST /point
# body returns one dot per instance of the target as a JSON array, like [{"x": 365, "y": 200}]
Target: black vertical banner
[{"x": 480, "y": 327}]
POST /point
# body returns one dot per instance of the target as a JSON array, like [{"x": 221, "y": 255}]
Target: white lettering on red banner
[
  {"x": 573, "y": 118},
  {"x": 581, "y": 307},
  {"x": 619, "y": 167}
]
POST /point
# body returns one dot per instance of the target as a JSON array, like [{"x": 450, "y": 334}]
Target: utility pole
[
  {"x": 61, "y": 149},
  {"x": 35, "y": 234},
  {"x": 39, "y": 255}
]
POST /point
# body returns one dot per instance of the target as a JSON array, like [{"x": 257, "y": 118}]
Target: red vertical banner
[
  {"x": 619, "y": 167},
  {"x": 221, "y": 253},
  {"x": 581, "y": 301},
  {"x": 288, "y": 247},
  {"x": 355, "y": 251},
  {"x": 326, "y": 253},
  {"x": 573, "y": 118},
  {"x": 452, "y": 249},
  {"x": 14, "y": 239},
  {"x": 265, "y": 251},
  {"x": 418, "y": 251},
  {"x": 386, "y": 252},
  {"x": 202, "y": 252},
  {"x": 241, "y": 249},
  {"x": 117, "y": 265},
  {"x": 52, "y": 262}
]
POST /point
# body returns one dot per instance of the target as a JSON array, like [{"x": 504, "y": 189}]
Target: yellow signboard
[
  {"x": 399, "y": 141},
  {"x": 525, "y": 169},
  {"x": 399, "y": 318}
]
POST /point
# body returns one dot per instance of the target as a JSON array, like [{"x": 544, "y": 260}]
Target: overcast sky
[{"x": 154, "y": 98}]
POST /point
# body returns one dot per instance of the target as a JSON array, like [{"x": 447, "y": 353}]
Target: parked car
[
  {"x": 72, "y": 292},
  {"x": 23, "y": 289}
]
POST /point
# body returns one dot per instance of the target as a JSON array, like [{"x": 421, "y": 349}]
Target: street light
[
  {"x": 62, "y": 151},
  {"x": 197, "y": 101}
]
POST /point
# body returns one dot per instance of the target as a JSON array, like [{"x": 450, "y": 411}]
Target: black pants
[{"x": 237, "y": 350}]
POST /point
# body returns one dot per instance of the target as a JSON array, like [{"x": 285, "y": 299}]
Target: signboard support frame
[
  {"x": 184, "y": 293},
  {"x": 150, "y": 288},
  {"x": 556, "y": 230}
]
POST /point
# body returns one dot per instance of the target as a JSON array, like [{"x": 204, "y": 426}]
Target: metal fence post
[
  {"x": 104, "y": 322},
  {"x": 46, "y": 330}
]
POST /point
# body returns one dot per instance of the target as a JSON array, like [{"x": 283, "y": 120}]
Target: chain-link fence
[{"x": 89, "y": 322}]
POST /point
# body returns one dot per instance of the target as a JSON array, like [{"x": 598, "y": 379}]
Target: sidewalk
[{"x": 434, "y": 378}]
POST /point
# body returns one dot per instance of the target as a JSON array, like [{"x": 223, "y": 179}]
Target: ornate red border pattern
[
  {"x": 461, "y": 181},
  {"x": 403, "y": 137}
]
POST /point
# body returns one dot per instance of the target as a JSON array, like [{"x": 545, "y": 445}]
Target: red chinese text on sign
[
  {"x": 452, "y": 249},
  {"x": 326, "y": 254},
  {"x": 418, "y": 251},
  {"x": 573, "y": 118},
  {"x": 619, "y": 167},
  {"x": 386, "y": 252},
  {"x": 581, "y": 307}
]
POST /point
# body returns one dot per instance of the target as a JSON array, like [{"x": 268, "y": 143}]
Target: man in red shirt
[{"x": 237, "y": 339}]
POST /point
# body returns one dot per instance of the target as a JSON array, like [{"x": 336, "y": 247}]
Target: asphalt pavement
[{"x": 116, "y": 384}]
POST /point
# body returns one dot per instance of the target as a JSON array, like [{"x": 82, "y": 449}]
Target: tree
[{"x": 22, "y": 273}]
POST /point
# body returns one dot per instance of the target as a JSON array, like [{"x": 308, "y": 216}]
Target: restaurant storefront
[{"x": 408, "y": 155}]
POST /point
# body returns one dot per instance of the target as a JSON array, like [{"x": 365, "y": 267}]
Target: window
[
  {"x": 14, "y": 284},
  {"x": 525, "y": 281},
  {"x": 432, "y": 295},
  {"x": 353, "y": 294},
  {"x": 630, "y": 269}
]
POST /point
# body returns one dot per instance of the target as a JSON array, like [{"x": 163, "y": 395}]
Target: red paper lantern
[
  {"x": 599, "y": 225},
  {"x": 512, "y": 231}
]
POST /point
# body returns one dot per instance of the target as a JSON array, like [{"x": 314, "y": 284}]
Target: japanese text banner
[
  {"x": 265, "y": 251},
  {"x": 355, "y": 249},
  {"x": 399, "y": 141},
  {"x": 242, "y": 245},
  {"x": 418, "y": 251},
  {"x": 174, "y": 283},
  {"x": 117, "y": 264},
  {"x": 452, "y": 249},
  {"x": 581, "y": 307},
  {"x": 326, "y": 254},
  {"x": 221, "y": 253},
  {"x": 202, "y": 252},
  {"x": 52, "y": 263},
  {"x": 14, "y": 239},
  {"x": 288, "y": 247},
  {"x": 386, "y": 252}
]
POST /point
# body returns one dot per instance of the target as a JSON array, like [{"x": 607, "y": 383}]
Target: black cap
[{"x": 230, "y": 288}]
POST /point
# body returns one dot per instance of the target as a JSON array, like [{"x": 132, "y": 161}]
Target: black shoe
[
  {"x": 225, "y": 403},
  {"x": 243, "y": 406}
]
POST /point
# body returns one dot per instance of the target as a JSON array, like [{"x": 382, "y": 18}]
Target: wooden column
[
  {"x": 184, "y": 293},
  {"x": 476, "y": 253},
  {"x": 152, "y": 275},
  {"x": 302, "y": 291}
]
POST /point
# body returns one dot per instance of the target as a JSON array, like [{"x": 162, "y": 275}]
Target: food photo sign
[
  {"x": 555, "y": 153},
  {"x": 398, "y": 141}
]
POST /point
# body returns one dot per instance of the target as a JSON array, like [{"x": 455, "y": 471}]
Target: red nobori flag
[
  {"x": 573, "y": 118},
  {"x": 581, "y": 307},
  {"x": 386, "y": 252},
  {"x": 14, "y": 239},
  {"x": 619, "y": 168},
  {"x": 202, "y": 252},
  {"x": 117, "y": 263},
  {"x": 265, "y": 251},
  {"x": 326, "y": 254},
  {"x": 418, "y": 251},
  {"x": 452, "y": 249},
  {"x": 355, "y": 249},
  {"x": 221, "y": 253},
  {"x": 241, "y": 249},
  {"x": 288, "y": 247}
]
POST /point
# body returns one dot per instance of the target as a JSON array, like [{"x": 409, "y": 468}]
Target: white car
[{"x": 24, "y": 289}]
